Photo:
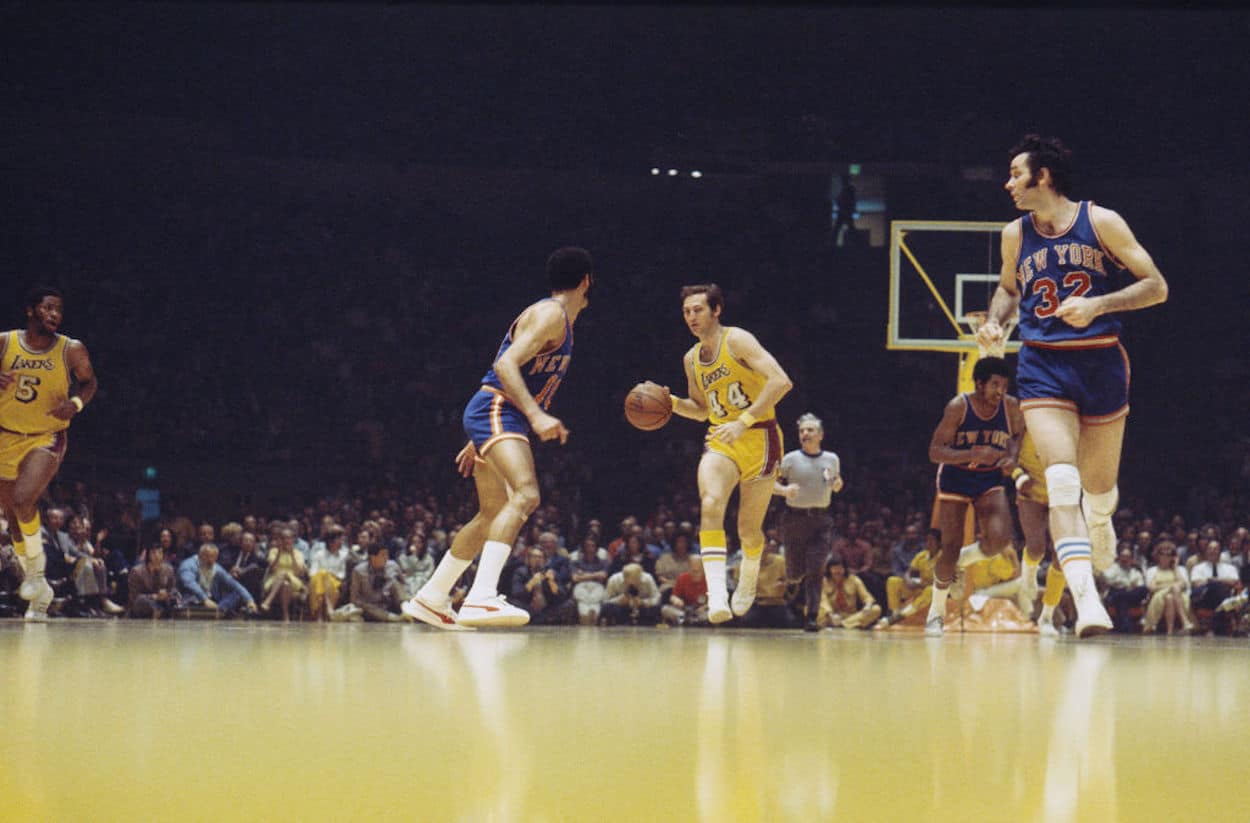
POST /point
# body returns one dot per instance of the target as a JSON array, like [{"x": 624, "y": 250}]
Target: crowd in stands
[{"x": 356, "y": 558}]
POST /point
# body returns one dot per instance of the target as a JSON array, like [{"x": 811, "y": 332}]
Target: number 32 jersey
[
  {"x": 729, "y": 386},
  {"x": 1073, "y": 263},
  {"x": 42, "y": 383}
]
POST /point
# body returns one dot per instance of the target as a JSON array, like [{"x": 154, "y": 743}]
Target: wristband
[
  {"x": 673, "y": 400},
  {"x": 1020, "y": 476},
  {"x": 747, "y": 419},
  {"x": 77, "y": 401}
]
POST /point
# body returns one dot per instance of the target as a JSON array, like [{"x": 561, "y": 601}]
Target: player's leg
[
  {"x": 1033, "y": 524},
  {"x": 1099, "y": 462},
  {"x": 950, "y": 519},
  {"x": 718, "y": 475},
  {"x": 34, "y": 474},
  {"x": 753, "y": 499},
  {"x": 432, "y": 603},
  {"x": 1056, "y": 431},
  {"x": 510, "y": 466}
]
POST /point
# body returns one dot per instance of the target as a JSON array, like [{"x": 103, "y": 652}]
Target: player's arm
[
  {"x": 1006, "y": 297},
  {"x": 694, "y": 406},
  {"x": 940, "y": 448},
  {"x": 1149, "y": 290},
  {"x": 1015, "y": 419},
  {"x": 538, "y": 326},
  {"x": 79, "y": 363},
  {"x": 744, "y": 346}
]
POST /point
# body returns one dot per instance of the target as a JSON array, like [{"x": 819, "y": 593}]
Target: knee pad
[
  {"x": 1063, "y": 484},
  {"x": 1102, "y": 504}
]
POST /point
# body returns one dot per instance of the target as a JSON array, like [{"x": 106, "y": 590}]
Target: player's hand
[
  {"x": 984, "y": 455},
  {"x": 837, "y": 483},
  {"x": 1028, "y": 486},
  {"x": 728, "y": 432},
  {"x": 990, "y": 334},
  {"x": 466, "y": 459},
  {"x": 549, "y": 428},
  {"x": 7, "y": 378},
  {"x": 1007, "y": 463},
  {"x": 1077, "y": 312},
  {"x": 792, "y": 491},
  {"x": 64, "y": 410}
]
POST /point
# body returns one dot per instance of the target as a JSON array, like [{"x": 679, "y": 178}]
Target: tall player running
[
  {"x": 45, "y": 379},
  {"x": 976, "y": 439},
  {"x": 1059, "y": 263},
  {"x": 734, "y": 384},
  {"x": 512, "y": 402}
]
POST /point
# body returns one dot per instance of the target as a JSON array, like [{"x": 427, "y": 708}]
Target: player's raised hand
[
  {"x": 466, "y": 459},
  {"x": 7, "y": 378},
  {"x": 990, "y": 334},
  {"x": 549, "y": 428},
  {"x": 1077, "y": 312}
]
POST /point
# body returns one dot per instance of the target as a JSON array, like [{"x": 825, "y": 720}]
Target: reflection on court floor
[{"x": 193, "y": 721}]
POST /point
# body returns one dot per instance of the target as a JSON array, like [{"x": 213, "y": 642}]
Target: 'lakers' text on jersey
[
  {"x": 728, "y": 384},
  {"x": 42, "y": 383},
  {"x": 1073, "y": 263}
]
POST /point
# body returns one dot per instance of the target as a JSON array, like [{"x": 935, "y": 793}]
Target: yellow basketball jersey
[
  {"x": 729, "y": 386},
  {"x": 42, "y": 383},
  {"x": 996, "y": 569}
]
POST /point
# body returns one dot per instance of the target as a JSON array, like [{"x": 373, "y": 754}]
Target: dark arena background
[{"x": 291, "y": 237}]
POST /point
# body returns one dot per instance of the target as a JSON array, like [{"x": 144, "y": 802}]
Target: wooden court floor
[{"x": 193, "y": 721}]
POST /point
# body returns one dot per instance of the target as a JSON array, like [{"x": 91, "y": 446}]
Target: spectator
[
  {"x": 228, "y": 548},
  {"x": 673, "y": 563},
  {"x": 153, "y": 590},
  {"x": 1126, "y": 589},
  {"x": 845, "y": 602},
  {"x": 249, "y": 567},
  {"x": 687, "y": 603},
  {"x": 536, "y": 589},
  {"x": 634, "y": 551},
  {"x": 1168, "y": 584},
  {"x": 632, "y": 598},
  {"x": 1213, "y": 582},
  {"x": 90, "y": 574},
  {"x": 326, "y": 575},
  {"x": 417, "y": 563},
  {"x": 203, "y": 582},
  {"x": 589, "y": 576},
  {"x": 285, "y": 579},
  {"x": 377, "y": 586}
]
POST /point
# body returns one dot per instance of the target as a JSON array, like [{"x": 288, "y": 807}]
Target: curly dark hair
[{"x": 1046, "y": 153}]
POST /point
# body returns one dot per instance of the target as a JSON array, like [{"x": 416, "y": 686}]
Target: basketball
[{"x": 648, "y": 407}]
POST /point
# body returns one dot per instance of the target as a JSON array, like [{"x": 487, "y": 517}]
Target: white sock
[
  {"x": 1047, "y": 617},
  {"x": 1074, "y": 559},
  {"x": 749, "y": 571},
  {"x": 714, "y": 571},
  {"x": 937, "y": 607},
  {"x": 1028, "y": 565},
  {"x": 446, "y": 573},
  {"x": 489, "y": 567}
]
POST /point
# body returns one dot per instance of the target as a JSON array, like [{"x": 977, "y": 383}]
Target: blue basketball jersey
[
  {"x": 1050, "y": 269},
  {"x": 544, "y": 371},
  {"x": 975, "y": 430}
]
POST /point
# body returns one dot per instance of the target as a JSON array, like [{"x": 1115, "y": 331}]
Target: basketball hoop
[{"x": 976, "y": 319}]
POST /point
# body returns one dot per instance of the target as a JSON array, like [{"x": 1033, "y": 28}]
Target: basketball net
[{"x": 976, "y": 319}]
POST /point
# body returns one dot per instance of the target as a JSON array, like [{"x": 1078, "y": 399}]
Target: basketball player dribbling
[
  {"x": 1060, "y": 264},
  {"x": 45, "y": 380},
  {"x": 734, "y": 384},
  {"x": 511, "y": 404}
]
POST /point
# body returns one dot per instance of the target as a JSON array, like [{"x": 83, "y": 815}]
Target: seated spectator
[
  {"x": 326, "y": 575},
  {"x": 89, "y": 573},
  {"x": 286, "y": 577},
  {"x": 589, "y": 567},
  {"x": 769, "y": 611},
  {"x": 417, "y": 563},
  {"x": 1213, "y": 582},
  {"x": 229, "y": 546},
  {"x": 633, "y": 551},
  {"x": 673, "y": 563},
  {"x": 632, "y": 598},
  {"x": 687, "y": 603},
  {"x": 250, "y": 565},
  {"x": 844, "y": 600},
  {"x": 1126, "y": 589},
  {"x": 536, "y": 588},
  {"x": 1168, "y": 585},
  {"x": 203, "y": 582},
  {"x": 910, "y": 594},
  {"x": 377, "y": 586},
  {"x": 153, "y": 590}
]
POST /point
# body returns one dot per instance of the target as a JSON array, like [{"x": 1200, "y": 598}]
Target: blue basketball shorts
[
  {"x": 962, "y": 485},
  {"x": 489, "y": 418},
  {"x": 1091, "y": 382}
]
